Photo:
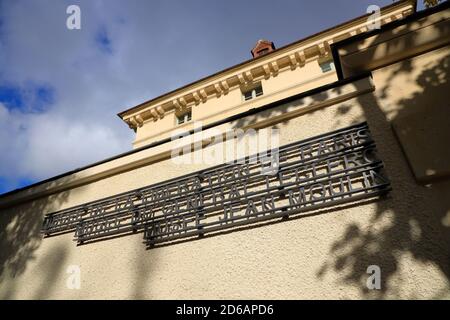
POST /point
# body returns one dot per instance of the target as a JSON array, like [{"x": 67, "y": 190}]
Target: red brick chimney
[{"x": 262, "y": 47}]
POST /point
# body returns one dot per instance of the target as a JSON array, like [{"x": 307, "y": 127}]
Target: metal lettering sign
[{"x": 324, "y": 171}]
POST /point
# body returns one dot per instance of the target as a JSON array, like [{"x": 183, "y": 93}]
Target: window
[
  {"x": 184, "y": 117},
  {"x": 252, "y": 92},
  {"x": 248, "y": 95},
  {"x": 258, "y": 91},
  {"x": 327, "y": 66}
]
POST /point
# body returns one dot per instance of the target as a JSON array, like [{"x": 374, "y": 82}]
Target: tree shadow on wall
[
  {"x": 414, "y": 224},
  {"x": 20, "y": 237}
]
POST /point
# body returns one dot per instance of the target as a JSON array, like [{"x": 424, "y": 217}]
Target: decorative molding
[
  {"x": 322, "y": 50},
  {"x": 271, "y": 66},
  {"x": 242, "y": 81},
  {"x": 196, "y": 97},
  {"x": 177, "y": 105},
  {"x": 154, "y": 114},
  {"x": 274, "y": 67},
  {"x": 266, "y": 71},
  {"x": 204, "y": 95},
  {"x": 249, "y": 76},
  {"x": 218, "y": 89},
  {"x": 225, "y": 86},
  {"x": 364, "y": 87},
  {"x": 293, "y": 61},
  {"x": 183, "y": 102},
  {"x": 139, "y": 120},
  {"x": 301, "y": 57},
  {"x": 160, "y": 112}
]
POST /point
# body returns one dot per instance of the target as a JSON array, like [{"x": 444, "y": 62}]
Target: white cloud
[
  {"x": 155, "y": 46},
  {"x": 91, "y": 85},
  {"x": 90, "y": 88},
  {"x": 42, "y": 145}
]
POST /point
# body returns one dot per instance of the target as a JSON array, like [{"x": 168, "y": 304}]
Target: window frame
[
  {"x": 183, "y": 118},
  {"x": 327, "y": 66},
  {"x": 255, "y": 91}
]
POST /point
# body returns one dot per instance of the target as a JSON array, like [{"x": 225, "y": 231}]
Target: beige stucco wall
[
  {"x": 317, "y": 256},
  {"x": 289, "y": 70},
  {"x": 286, "y": 83}
]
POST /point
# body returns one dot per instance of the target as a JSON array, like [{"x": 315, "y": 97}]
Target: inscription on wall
[{"x": 324, "y": 171}]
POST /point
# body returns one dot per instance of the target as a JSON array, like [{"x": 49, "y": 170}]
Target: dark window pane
[
  {"x": 258, "y": 91},
  {"x": 185, "y": 117},
  {"x": 247, "y": 95}
]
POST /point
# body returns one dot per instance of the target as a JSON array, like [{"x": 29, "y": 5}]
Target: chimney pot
[{"x": 262, "y": 47}]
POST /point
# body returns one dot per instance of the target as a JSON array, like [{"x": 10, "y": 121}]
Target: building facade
[{"x": 358, "y": 180}]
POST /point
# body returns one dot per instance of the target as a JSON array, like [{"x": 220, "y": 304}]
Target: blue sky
[{"x": 60, "y": 89}]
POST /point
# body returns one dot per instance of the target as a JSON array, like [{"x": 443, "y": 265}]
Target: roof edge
[{"x": 274, "y": 52}]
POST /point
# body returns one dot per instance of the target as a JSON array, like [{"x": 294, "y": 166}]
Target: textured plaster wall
[{"x": 324, "y": 255}]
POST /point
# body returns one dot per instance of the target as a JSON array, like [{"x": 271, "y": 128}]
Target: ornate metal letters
[{"x": 323, "y": 171}]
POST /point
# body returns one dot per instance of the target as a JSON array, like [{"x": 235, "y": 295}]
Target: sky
[{"x": 61, "y": 89}]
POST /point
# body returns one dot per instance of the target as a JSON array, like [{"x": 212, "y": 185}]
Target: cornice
[{"x": 290, "y": 57}]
